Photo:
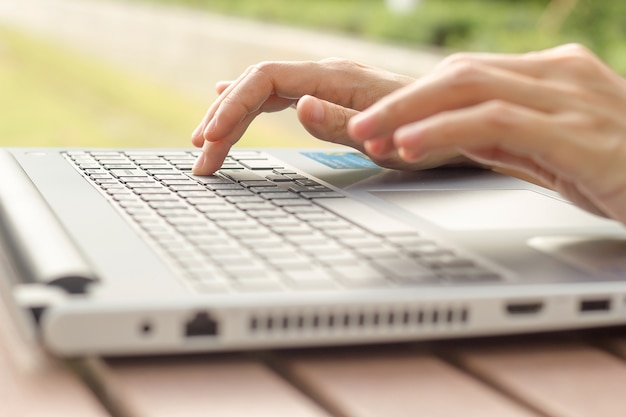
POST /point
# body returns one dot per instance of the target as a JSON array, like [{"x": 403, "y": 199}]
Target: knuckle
[
  {"x": 235, "y": 106},
  {"x": 456, "y": 58},
  {"x": 575, "y": 49},
  {"x": 576, "y": 59},
  {"x": 464, "y": 74},
  {"x": 338, "y": 61},
  {"x": 332, "y": 60},
  {"x": 499, "y": 114},
  {"x": 263, "y": 66},
  {"x": 341, "y": 64},
  {"x": 264, "y": 70}
]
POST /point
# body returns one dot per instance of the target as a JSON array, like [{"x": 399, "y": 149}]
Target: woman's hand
[
  {"x": 558, "y": 116},
  {"x": 326, "y": 93}
]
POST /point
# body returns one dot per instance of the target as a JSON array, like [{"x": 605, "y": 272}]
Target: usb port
[
  {"x": 595, "y": 305},
  {"x": 524, "y": 308}
]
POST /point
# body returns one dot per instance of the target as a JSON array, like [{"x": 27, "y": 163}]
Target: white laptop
[{"x": 124, "y": 252}]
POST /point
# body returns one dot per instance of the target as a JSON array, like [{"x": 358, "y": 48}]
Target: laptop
[{"x": 125, "y": 252}]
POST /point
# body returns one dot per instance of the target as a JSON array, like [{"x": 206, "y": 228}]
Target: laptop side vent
[{"x": 366, "y": 320}]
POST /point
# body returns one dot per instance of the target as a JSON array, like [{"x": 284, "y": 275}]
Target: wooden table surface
[{"x": 554, "y": 375}]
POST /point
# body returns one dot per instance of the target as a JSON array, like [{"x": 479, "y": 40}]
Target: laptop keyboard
[{"x": 257, "y": 225}]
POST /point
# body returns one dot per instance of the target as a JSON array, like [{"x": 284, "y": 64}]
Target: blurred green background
[{"x": 55, "y": 95}]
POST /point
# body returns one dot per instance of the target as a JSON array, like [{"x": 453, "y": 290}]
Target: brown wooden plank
[
  {"x": 393, "y": 382},
  {"x": 616, "y": 345},
  {"x": 219, "y": 385},
  {"x": 560, "y": 379},
  {"x": 33, "y": 384}
]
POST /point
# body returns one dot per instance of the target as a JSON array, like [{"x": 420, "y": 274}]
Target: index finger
[
  {"x": 342, "y": 82},
  {"x": 290, "y": 80},
  {"x": 461, "y": 85}
]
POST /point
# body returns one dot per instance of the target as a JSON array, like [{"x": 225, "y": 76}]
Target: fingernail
[
  {"x": 197, "y": 167},
  {"x": 196, "y": 132}
]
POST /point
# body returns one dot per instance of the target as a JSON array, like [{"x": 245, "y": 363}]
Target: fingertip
[
  {"x": 197, "y": 140},
  {"x": 407, "y": 136},
  {"x": 379, "y": 148},
  {"x": 220, "y": 86},
  {"x": 196, "y": 136},
  {"x": 199, "y": 167},
  {"x": 408, "y": 155},
  {"x": 208, "y": 133},
  {"x": 211, "y": 158},
  {"x": 360, "y": 126},
  {"x": 310, "y": 110},
  {"x": 407, "y": 141}
]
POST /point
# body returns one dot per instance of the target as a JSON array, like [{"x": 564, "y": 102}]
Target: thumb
[{"x": 325, "y": 120}]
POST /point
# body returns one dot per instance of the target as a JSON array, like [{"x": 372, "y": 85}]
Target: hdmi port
[
  {"x": 595, "y": 305},
  {"x": 524, "y": 308}
]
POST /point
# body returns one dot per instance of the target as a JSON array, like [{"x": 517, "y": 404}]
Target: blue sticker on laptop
[{"x": 341, "y": 160}]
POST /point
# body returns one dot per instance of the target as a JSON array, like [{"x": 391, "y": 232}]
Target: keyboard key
[
  {"x": 284, "y": 195},
  {"x": 260, "y": 164},
  {"x": 239, "y": 199},
  {"x": 276, "y": 250},
  {"x": 378, "y": 251},
  {"x": 405, "y": 269},
  {"x": 150, "y": 184},
  {"x": 124, "y": 173},
  {"x": 205, "y": 199},
  {"x": 187, "y": 188},
  {"x": 225, "y": 215},
  {"x": 169, "y": 176},
  {"x": 235, "y": 192},
  {"x": 260, "y": 205},
  {"x": 224, "y": 186},
  {"x": 335, "y": 258},
  {"x": 359, "y": 275},
  {"x": 314, "y": 276},
  {"x": 244, "y": 175},
  {"x": 315, "y": 283},
  {"x": 292, "y": 202},
  {"x": 159, "y": 197},
  {"x": 151, "y": 190},
  {"x": 278, "y": 178},
  {"x": 322, "y": 194},
  {"x": 469, "y": 275},
  {"x": 266, "y": 213},
  {"x": 210, "y": 179},
  {"x": 297, "y": 262},
  {"x": 167, "y": 204},
  {"x": 193, "y": 194}
]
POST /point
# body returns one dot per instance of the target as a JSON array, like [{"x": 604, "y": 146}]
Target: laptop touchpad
[{"x": 491, "y": 209}]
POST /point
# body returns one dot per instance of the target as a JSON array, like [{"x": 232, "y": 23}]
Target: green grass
[
  {"x": 455, "y": 24},
  {"x": 474, "y": 25},
  {"x": 51, "y": 96}
]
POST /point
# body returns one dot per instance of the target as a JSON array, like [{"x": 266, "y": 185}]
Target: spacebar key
[{"x": 365, "y": 216}]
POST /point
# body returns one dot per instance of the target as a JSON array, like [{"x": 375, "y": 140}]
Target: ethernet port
[{"x": 202, "y": 324}]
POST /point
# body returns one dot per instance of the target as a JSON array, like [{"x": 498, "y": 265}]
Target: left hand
[{"x": 557, "y": 116}]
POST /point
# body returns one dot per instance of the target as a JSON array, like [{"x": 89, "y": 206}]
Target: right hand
[{"x": 326, "y": 93}]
